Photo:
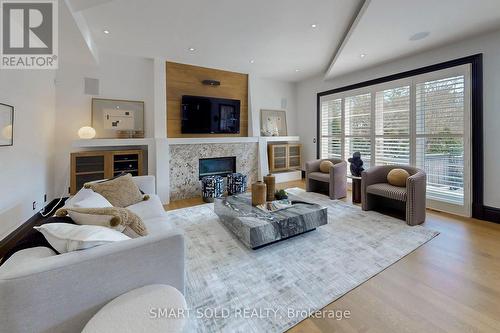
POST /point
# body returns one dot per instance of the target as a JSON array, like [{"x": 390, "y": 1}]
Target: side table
[{"x": 356, "y": 188}]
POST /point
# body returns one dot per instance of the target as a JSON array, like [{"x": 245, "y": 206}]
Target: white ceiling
[
  {"x": 385, "y": 26},
  {"x": 277, "y": 34},
  {"x": 227, "y": 34}
]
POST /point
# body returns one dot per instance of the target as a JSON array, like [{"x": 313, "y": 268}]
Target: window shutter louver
[{"x": 440, "y": 113}]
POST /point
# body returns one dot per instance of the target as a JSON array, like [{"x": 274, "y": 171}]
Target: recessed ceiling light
[
  {"x": 192, "y": 49},
  {"x": 419, "y": 35},
  {"x": 362, "y": 55},
  {"x": 314, "y": 25},
  {"x": 252, "y": 61},
  {"x": 297, "y": 70},
  {"x": 106, "y": 31}
]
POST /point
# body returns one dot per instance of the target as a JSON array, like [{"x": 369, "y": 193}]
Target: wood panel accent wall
[{"x": 186, "y": 80}]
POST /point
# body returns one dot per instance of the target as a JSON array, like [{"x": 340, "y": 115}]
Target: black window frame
[{"x": 479, "y": 210}]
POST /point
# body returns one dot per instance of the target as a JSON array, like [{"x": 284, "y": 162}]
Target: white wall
[
  {"x": 26, "y": 173},
  {"x": 120, "y": 77},
  {"x": 488, "y": 44},
  {"x": 268, "y": 94}
]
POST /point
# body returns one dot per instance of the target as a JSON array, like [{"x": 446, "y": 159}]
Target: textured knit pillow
[
  {"x": 398, "y": 177},
  {"x": 120, "y": 219},
  {"x": 120, "y": 192},
  {"x": 325, "y": 166}
]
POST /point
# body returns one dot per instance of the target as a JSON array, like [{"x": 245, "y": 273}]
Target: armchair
[
  {"x": 374, "y": 187},
  {"x": 336, "y": 178}
]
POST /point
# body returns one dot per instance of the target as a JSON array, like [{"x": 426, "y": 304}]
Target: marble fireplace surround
[{"x": 184, "y": 182}]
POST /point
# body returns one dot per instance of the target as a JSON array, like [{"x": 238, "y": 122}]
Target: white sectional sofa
[{"x": 60, "y": 293}]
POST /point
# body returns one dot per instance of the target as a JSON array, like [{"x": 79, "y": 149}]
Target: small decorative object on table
[
  {"x": 259, "y": 193},
  {"x": 270, "y": 181},
  {"x": 275, "y": 205},
  {"x": 281, "y": 195},
  {"x": 212, "y": 187},
  {"x": 86, "y": 132},
  {"x": 356, "y": 164},
  {"x": 236, "y": 183}
]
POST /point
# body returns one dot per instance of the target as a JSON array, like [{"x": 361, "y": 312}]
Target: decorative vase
[
  {"x": 258, "y": 193},
  {"x": 270, "y": 181}
]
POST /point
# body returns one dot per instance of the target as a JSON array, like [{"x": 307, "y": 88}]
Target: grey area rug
[{"x": 231, "y": 288}]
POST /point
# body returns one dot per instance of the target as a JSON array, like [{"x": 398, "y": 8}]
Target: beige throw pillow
[
  {"x": 120, "y": 219},
  {"x": 120, "y": 192},
  {"x": 398, "y": 177},
  {"x": 325, "y": 166}
]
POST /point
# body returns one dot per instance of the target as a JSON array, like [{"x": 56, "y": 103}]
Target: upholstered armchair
[
  {"x": 335, "y": 180},
  {"x": 376, "y": 191}
]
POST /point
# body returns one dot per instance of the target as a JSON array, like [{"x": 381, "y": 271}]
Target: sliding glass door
[{"x": 422, "y": 121}]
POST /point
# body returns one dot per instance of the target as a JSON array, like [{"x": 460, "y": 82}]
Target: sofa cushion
[
  {"x": 26, "y": 257},
  {"x": 157, "y": 225},
  {"x": 388, "y": 191},
  {"x": 149, "y": 208},
  {"x": 320, "y": 176},
  {"x": 120, "y": 192}
]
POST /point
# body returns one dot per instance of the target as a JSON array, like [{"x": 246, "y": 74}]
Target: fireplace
[{"x": 217, "y": 166}]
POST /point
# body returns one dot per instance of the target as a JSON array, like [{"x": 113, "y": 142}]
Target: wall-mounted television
[{"x": 210, "y": 115}]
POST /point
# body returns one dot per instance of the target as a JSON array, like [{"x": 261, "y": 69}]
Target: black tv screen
[{"x": 210, "y": 115}]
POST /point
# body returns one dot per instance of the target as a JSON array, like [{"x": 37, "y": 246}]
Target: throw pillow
[
  {"x": 66, "y": 237},
  {"x": 34, "y": 239},
  {"x": 120, "y": 192},
  {"x": 120, "y": 219},
  {"x": 94, "y": 200},
  {"x": 325, "y": 166},
  {"x": 398, "y": 177}
]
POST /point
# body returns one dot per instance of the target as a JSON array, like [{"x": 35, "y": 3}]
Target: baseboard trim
[
  {"x": 11, "y": 239},
  {"x": 491, "y": 214}
]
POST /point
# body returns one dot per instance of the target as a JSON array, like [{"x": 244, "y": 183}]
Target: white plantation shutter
[
  {"x": 440, "y": 112},
  {"x": 421, "y": 120},
  {"x": 357, "y": 124},
  {"x": 392, "y": 126},
  {"x": 331, "y": 128}
]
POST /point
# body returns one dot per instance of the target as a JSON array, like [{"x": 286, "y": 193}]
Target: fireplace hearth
[{"x": 217, "y": 166}]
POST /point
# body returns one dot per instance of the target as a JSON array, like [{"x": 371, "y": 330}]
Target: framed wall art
[
  {"x": 6, "y": 125},
  {"x": 112, "y": 118},
  {"x": 273, "y": 123}
]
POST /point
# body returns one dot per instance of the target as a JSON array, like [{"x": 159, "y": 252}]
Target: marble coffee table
[{"x": 256, "y": 228}]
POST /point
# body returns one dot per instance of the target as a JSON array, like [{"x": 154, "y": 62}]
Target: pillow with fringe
[{"x": 120, "y": 219}]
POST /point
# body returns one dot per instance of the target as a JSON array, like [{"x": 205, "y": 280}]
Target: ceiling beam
[
  {"x": 347, "y": 34},
  {"x": 82, "y": 25}
]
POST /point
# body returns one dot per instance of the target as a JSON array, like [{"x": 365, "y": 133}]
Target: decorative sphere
[
  {"x": 86, "y": 132},
  {"x": 7, "y": 132}
]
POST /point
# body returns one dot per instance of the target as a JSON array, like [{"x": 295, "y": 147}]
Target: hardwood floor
[{"x": 450, "y": 284}]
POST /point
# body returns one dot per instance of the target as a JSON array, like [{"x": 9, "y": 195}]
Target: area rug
[{"x": 231, "y": 288}]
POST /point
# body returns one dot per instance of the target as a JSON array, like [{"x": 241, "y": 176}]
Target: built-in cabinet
[
  {"x": 87, "y": 166},
  {"x": 284, "y": 156}
]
